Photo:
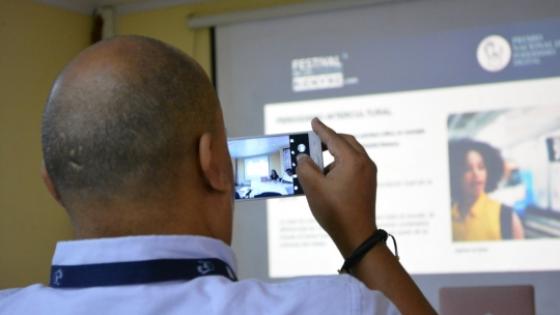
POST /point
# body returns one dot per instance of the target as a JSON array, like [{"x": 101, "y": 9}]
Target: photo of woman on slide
[
  {"x": 504, "y": 174},
  {"x": 476, "y": 168}
]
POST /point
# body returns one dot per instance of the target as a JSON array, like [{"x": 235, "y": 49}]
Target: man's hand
[{"x": 342, "y": 199}]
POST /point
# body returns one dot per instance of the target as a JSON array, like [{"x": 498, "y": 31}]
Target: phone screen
[{"x": 264, "y": 167}]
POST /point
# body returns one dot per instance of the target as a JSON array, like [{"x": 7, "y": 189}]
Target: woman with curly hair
[{"x": 475, "y": 170}]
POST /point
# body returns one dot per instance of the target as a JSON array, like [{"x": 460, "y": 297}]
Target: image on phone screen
[{"x": 264, "y": 167}]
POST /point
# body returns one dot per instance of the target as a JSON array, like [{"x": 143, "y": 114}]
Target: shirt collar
[{"x": 137, "y": 248}]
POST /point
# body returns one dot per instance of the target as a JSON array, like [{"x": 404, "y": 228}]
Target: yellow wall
[{"x": 35, "y": 42}]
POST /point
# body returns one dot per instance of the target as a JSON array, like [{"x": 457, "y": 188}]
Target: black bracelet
[{"x": 378, "y": 236}]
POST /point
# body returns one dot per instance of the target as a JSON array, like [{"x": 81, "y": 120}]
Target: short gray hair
[{"x": 125, "y": 131}]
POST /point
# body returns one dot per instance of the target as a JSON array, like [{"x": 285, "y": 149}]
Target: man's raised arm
[{"x": 342, "y": 200}]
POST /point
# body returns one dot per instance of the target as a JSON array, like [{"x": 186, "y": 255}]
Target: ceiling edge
[
  {"x": 75, "y": 6},
  {"x": 150, "y": 5}
]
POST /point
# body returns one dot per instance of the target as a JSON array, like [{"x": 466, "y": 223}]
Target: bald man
[{"x": 135, "y": 150}]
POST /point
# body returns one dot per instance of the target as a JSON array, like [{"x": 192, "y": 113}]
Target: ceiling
[{"x": 87, "y": 6}]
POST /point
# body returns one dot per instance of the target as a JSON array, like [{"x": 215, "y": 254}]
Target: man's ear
[
  {"x": 211, "y": 164},
  {"x": 50, "y": 185}
]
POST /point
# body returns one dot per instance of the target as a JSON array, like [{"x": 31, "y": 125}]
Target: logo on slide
[
  {"x": 494, "y": 53},
  {"x": 317, "y": 73}
]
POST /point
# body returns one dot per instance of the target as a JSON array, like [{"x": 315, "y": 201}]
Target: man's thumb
[{"x": 309, "y": 174}]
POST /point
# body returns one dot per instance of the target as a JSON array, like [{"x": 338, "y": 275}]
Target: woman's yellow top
[{"x": 481, "y": 223}]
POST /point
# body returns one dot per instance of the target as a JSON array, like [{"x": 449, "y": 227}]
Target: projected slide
[
  {"x": 467, "y": 146},
  {"x": 470, "y": 175},
  {"x": 462, "y": 117}
]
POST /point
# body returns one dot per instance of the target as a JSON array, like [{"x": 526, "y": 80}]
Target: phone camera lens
[{"x": 301, "y": 147}]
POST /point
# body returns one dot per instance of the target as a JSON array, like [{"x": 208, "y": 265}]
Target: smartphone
[{"x": 264, "y": 167}]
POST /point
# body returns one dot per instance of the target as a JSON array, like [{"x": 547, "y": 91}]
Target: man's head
[{"x": 133, "y": 133}]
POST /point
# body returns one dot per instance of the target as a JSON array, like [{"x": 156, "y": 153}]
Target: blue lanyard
[{"x": 137, "y": 272}]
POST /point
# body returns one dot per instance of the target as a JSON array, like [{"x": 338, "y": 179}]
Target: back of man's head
[{"x": 121, "y": 118}]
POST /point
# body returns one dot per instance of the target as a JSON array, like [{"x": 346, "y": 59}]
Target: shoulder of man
[
  {"x": 341, "y": 294},
  {"x": 6, "y": 294},
  {"x": 11, "y": 298}
]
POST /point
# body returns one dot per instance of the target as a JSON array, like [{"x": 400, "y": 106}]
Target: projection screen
[{"x": 436, "y": 91}]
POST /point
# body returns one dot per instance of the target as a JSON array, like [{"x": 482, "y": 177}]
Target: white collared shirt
[{"x": 204, "y": 295}]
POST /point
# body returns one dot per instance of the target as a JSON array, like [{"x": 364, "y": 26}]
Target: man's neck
[{"x": 142, "y": 221}]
